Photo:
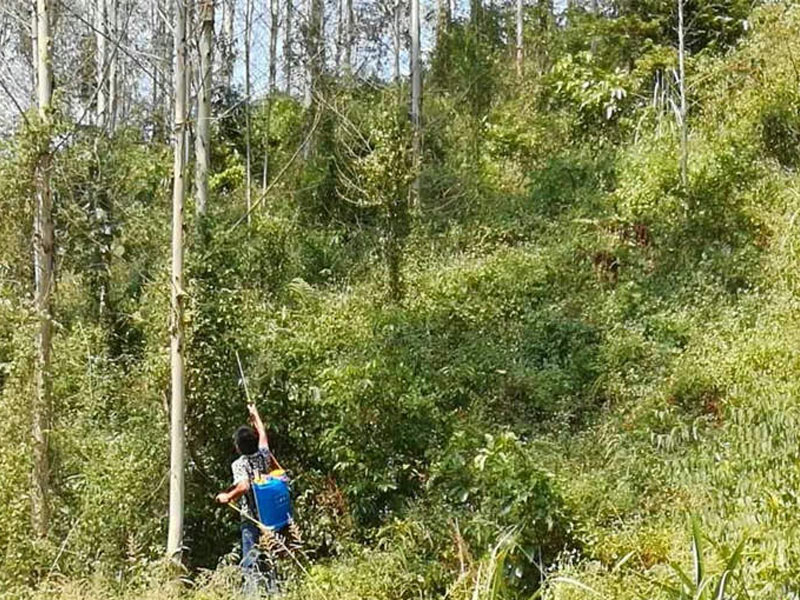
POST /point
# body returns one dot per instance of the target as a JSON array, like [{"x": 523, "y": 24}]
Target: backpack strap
[{"x": 250, "y": 496}]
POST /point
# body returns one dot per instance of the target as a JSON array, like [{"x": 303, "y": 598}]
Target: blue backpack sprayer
[
  {"x": 273, "y": 504},
  {"x": 272, "y": 500}
]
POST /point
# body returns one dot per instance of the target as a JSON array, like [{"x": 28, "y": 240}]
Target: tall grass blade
[
  {"x": 719, "y": 593},
  {"x": 697, "y": 552},
  {"x": 730, "y": 567},
  {"x": 698, "y": 594},
  {"x": 621, "y": 562}
]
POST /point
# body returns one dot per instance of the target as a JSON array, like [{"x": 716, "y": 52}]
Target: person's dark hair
[{"x": 245, "y": 440}]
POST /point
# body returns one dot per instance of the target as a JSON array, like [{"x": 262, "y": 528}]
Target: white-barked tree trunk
[
  {"x": 177, "y": 296},
  {"x": 44, "y": 277},
  {"x": 203, "y": 138}
]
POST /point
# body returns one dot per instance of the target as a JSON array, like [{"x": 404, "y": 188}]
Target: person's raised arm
[{"x": 255, "y": 419}]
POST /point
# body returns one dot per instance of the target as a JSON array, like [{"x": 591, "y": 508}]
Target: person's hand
[
  {"x": 252, "y": 410},
  {"x": 223, "y": 498}
]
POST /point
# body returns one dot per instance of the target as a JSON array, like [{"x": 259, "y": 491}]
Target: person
[{"x": 254, "y": 460}]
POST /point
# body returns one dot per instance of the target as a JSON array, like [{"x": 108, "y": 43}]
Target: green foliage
[
  {"x": 499, "y": 484},
  {"x": 586, "y": 349},
  {"x": 582, "y": 87}
]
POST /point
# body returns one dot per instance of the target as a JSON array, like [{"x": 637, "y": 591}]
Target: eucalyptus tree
[
  {"x": 226, "y": 43},
  {"x": 203, "y": 139},
  {"x": 397, "y": 38},
  {"x": 288, "y": 55},
  {"x": 684, "y": 126},
  {"x": 348, "y": 18},
  {"x": 106, "y": 51},
  {"x": 315, "y": 49},
  {"x": 272, "y": 75},
  {"x": 519, "y": 52},
  {"x": 161, "y": 49},
  {"x": 314, "y": 69},
  {"x": 44, "y": 273},
  {"x": 416, "y": 96},
  {"x": 112, "y": 27},
  {"x": 177, "y": 295},
  {"x": 274, "y": 22},
  {"x": 248, "y": 40},
  {"x": 101, "y": 34}
]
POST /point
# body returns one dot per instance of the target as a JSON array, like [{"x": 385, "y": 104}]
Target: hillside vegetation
[{"x": 585, "y": 378}]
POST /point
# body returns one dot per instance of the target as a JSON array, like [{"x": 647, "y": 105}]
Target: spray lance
[{"x": 250, "y": 404}]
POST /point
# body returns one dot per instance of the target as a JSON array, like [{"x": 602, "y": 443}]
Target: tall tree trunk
[
  {"x": 203, "y": 138},
  {"x": 34, "y": 53},
  {"x": 155, "y": 46},
  {"x": 274, "y": 10},
  {"x": 162, "y": 71},
  {"x": 168, "y": 79},
  {"x": 191, "y": 81},
  {"x": 684, "y": 160},
  {"x": 44, "y": 267},
  {"x": 226, "y": 43},
  {"x": 349, "y": 25},
  {"x": 416, "y": 98},
  {"x": 337, "y": 62},
  {"x": 519, "y": 39},
  {"x": 315, "y": 54},
  {"x": 274, "y": 18},
  {"x": 398, "y": 41},
  {"x": 177, "y": 410},
  {"x": 248, "y": 38},
  {"x": 113, "y": 73},
  {"x": 100, "y": 31},
  {"x": 287, "y": 49},
  {"x": 315, "y": 62}
]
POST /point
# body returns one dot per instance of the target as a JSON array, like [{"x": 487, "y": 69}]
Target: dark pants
[{"x": 254, "y": 576}]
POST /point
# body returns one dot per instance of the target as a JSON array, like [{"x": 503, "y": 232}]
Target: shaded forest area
[{"x": 514, "y": 286}]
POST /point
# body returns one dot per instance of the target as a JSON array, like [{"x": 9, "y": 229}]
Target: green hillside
[{"x": 562, "y": 373}]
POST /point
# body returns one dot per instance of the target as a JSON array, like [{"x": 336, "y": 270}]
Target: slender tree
[
  {"x": 248, "y": 38},
  {"x": 416, "y": 96},
  {"x": 101, "y": 33},
  {"x": 177, "y": 410},
  {"x": 398, "y": 40},
  {"x": 315, "y": 49},
  {"x": 339, "y": 36},
  {"x": 274, "y": 23},
  {"x": 519, "y": 39},
  {"x": 44, "y": 267},
  {"x": 112, "y": 7},
  {"x": 349, "y": 27},
  {"x": 315, "y": 61},
  {"x": 161, "y": 76},
  {"x": 274, "y": 16},
  {"x": 226, "y": 44},
  {"x": 203, "y": 139},
  {"x": 287, "y": 49},
  {"x": 684, "y": 126},
  {"x": 344, "y": 37},
  {"x": 34, "y": 50}
]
